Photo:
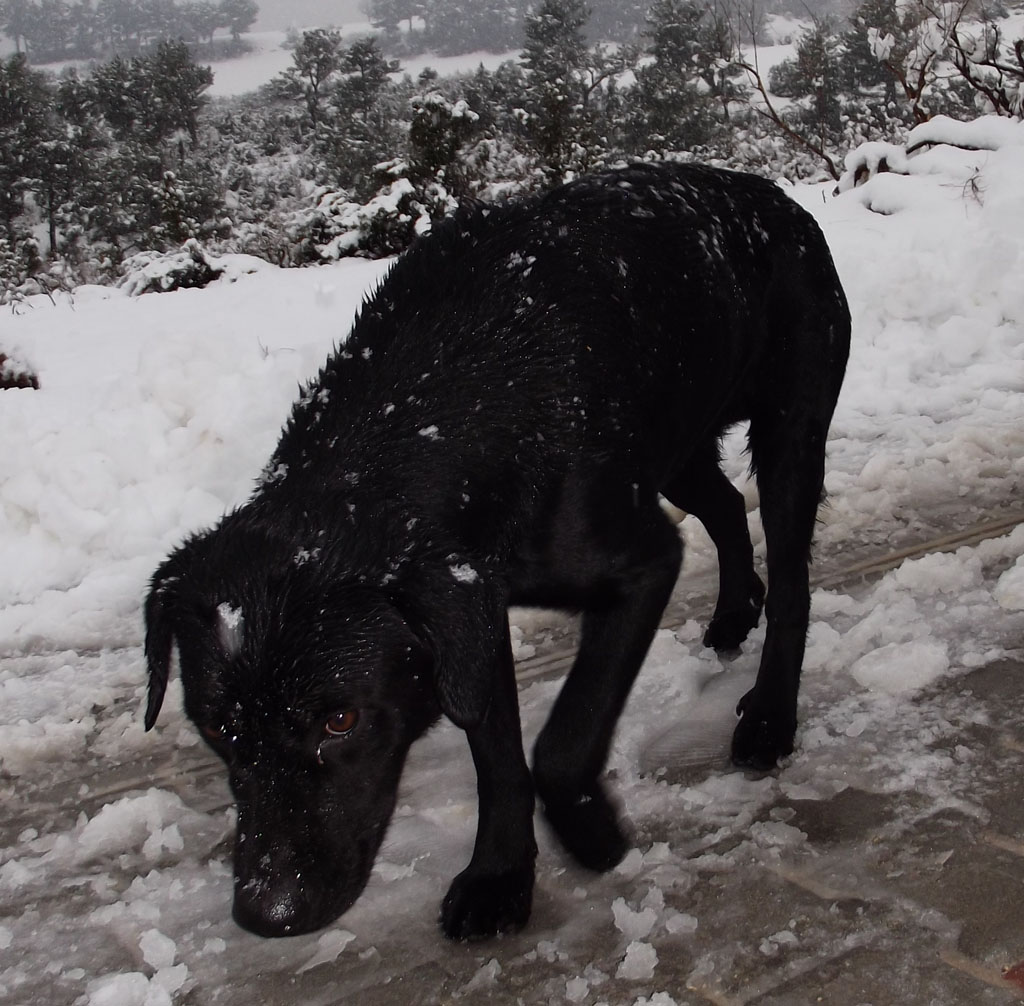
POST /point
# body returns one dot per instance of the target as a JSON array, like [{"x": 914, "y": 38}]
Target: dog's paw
[
  {"x": 729, "y": 628},
  {"x": 589, "y": 829},
  {"x": 479, "y": 905},
  {"x": 762, "y": 736}
]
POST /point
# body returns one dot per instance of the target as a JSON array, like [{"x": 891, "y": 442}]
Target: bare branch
[{"x": 771, "y": 113}]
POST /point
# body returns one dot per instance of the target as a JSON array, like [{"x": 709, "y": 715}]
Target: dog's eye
[
  {"x": 215, "y": 734},
  {"x": 341, "y": 724}
]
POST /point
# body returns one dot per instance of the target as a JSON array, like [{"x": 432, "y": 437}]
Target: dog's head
[{"x": 311, "y": 691}]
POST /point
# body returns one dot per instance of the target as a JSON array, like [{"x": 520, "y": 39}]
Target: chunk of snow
[
  {"x": 131, "y": 988},
  {"x": 484, "y": 978},
  {"x": 576, "y": 989},
  {"x": 328, "y": 948},
  {"x": 680, "y": 922},
  {"x": 158, "y": 950},
  {"x": 170, "y": 979},
  {"x": 1009, "y": 590},
  {"x": 131, "y": 823},
  {"x": 639, "y": 963},
  {"x": 632, "y": 863},
  {"x": 902, "y": 667},
  {"x": 633, "y": 925},
  {"x": 776, "y": 834},
  {"x": 464, "y": 573}
]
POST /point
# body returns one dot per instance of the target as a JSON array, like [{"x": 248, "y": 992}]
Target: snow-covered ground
[
  {"x": 269, "y": 58},
  {"x": 156, "y": 413}
]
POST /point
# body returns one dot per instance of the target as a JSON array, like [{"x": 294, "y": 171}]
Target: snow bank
[{"x": 990, "y": 132}]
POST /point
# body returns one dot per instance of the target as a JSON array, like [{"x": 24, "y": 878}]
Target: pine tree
[
  {"x": 814, "y": 74},
  {"x": 359, "y": 128},
  {"x": 25, "y": 99},
  {"x": 555, "y": 57},
  {"x": 439, "y": 130},
  {"x": 238, "y": 16},
  {"x": 315, "y": 61},
  {"x": 675, "y": 93}
]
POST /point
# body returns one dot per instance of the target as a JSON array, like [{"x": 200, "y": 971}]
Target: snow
[
  {"x": 464, "y": 573},
  {"x": 157, "y": 413},
  {"x": 633, "y": 925},
  {"x": 328, "y": 947},
  {"x": 990, "y": 132},
  {"x": 1009, "y": 592},
  {"x": 639, "y": 963},
  {"x": 269, "y": 58}
]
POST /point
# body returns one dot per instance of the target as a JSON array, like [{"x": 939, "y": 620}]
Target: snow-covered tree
[
  {"x": 565, "y": 81},
  {"x": 439, "y": 130},
  {"x": 991, "y": 64},
  {"x": 25, "y": 125},
  {"x": 315, "y": 61},
  {"x": 238, "y": 16},
  {"x": 912, "y": 49},
  {"x": 814, "y": 77},
  {"x": 682, "y": 94}
]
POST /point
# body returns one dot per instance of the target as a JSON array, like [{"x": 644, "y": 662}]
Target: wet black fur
[{"x": 497, "y": 430}]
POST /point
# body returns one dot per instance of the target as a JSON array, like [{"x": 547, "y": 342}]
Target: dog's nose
[{"x": 278, "y": 910}]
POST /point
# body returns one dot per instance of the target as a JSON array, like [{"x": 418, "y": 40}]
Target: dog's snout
[{"x": 277, "y": 909}]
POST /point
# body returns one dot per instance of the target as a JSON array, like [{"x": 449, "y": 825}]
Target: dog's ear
[
  {"x": 462, "y": 619},
  {"x": 159, "y": 640}
]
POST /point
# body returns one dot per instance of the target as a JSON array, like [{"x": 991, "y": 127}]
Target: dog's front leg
[{"x": 495, "y": 892}]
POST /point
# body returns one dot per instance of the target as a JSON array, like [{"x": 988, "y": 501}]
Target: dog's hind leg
[
  {"x": 494, "y": 893},
  {"x": 702, "y": 489},
  {"x": 571, "y": 750},
  {"x": 789, "y": 453}
]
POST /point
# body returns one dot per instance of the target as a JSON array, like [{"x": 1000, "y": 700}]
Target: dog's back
[{"x": 628, "y": 316}]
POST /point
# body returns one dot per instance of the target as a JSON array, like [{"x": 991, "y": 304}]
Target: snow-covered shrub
[
  {"x": 19, "y": 263},
  {"x": 15, "y": 373},
  {"x": 870, "y": 159},
  {"x": 159, "y": 272},
  {"x": 438, "y": 131},
  {"x": 338, "y": 228},
  {"x": 988, "y": 132}
]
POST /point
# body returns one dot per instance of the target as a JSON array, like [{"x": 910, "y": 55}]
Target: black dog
[{"x": 496, "y": 430}]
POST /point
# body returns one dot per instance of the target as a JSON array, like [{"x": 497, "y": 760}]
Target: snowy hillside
[{"x": 155, "y": 414}]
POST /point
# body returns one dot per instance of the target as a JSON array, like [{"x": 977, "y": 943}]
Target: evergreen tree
[
  {"x": 238, "y": 16},
  {"x": 439, "y": 131},
  {"x": 814, "y": 74},
  {"x": 458, "y": 26},
  {"x": 315, "y": 61},
  {"x": 17, "y": 18},
  {"x": 360, "y": 129},
  {"x": 365, "y": 73},
  {"x": 862, "y": 68},
  {"x": 25, "y": 124},
  {"x": 673, "y": 94},
  {"x": 145, "y": 186},
  {"x": 555, "y": 58}
]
